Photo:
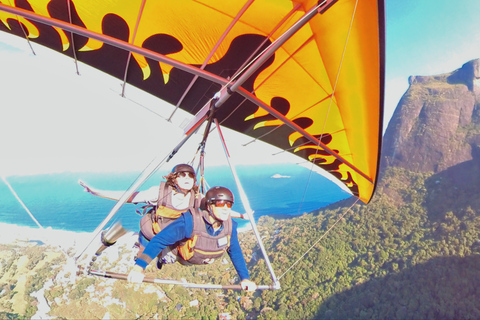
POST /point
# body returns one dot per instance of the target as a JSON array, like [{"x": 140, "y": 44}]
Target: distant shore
[{"x": 11, "y": 233}]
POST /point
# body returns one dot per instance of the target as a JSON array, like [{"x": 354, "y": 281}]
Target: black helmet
[
  {"x": 183, "y": 168},
  {"x": 219, "y": 193}
]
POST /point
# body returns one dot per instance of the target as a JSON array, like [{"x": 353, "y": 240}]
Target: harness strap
[
  {"x": 162, "y": 194},
  {"x": 203, "y": 247},
  {"x": 144, "y": 209},
  {"x": 162, "y": 214}
]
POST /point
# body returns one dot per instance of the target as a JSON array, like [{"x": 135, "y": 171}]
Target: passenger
[
  {"x": 201, "y": 236},
  {"x": 164, "y": 203}
]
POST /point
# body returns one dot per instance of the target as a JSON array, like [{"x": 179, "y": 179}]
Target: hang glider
[{"x": 305, "y": 76}]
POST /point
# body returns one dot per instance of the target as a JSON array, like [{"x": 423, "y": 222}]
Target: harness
[
  {"x": 202, "y": 247},
  {"x": 157, "y": 217}
]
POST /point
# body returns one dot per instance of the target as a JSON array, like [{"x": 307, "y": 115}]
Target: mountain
[
  {"x": 436, "y": 123},
  {"x": 435, "y": 130}
]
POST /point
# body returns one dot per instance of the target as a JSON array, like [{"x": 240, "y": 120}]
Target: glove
[
  {"x": 248, "y": 285},
  {"x": 135, "y": 275}
]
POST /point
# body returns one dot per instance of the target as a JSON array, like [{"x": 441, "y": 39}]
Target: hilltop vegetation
[
  {"x": 411, "y": 253},
  {"x": 388, "y": 259},
  {"x": 397, "y": 257}
]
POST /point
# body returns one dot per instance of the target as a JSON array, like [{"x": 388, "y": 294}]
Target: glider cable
[
  {"x": 21, "y": 202},
  {"x": 309, "y": 177},
  {"x": 140, "y": 12},
  {"x": 248, "y": 209},
  {"x": 71, "y": 37},
  {"x": 329, "y": 105},
  {"x": 318, "y": 240},
  {"x": 254, "y": 55},
  {"x": 251, "y": 58},
  {"x": 26, "y": 35},
  {"x": 290, "y": 119},
  {"x": 258, "y": 61},
  {"x": 201, "y": 147},
  {"x": 212, "y": 52}
]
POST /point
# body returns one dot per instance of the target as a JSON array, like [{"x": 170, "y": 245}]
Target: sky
[
  {"x": 87, "y": 126},
  {"x": 422, "y": 38},
  {"x": 427, "y": 37}
]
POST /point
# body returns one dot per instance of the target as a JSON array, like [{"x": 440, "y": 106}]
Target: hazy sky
[
  {"x": 424, "y": 37},
  {"x": 52, "y": 120}
]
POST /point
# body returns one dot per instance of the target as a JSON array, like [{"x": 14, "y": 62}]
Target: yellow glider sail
[{"x": 319, "y": 95}]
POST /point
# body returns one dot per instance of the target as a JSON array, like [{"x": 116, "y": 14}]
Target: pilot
[{"x": 201, "y": 236}]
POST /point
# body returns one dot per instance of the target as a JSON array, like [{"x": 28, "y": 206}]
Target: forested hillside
[
  {"x": 382, "y": 260},
  {"x": 411, "y": 253}
]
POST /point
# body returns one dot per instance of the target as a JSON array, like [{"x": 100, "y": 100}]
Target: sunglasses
[
  {"x": 222, "y": 203},
  {"x": 184, "y": 174}
]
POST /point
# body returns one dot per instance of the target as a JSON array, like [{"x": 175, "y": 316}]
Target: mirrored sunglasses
[
  {"x": 184, "y": 174},
  {"x": 222, "y": 203}
]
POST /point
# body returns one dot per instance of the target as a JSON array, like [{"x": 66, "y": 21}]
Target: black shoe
[{"x": 159, "y": 264}]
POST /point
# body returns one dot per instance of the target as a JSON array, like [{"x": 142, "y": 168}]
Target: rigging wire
[
  {"x": 318, "y": 146},
  {"x": 258, "y": 56},
  {"x": 23, "y": 30},
  {"x": 251, "y": 58},
  {"x": 140, "y": 12},
  {"x": 239, "y": 73},
  {"x": 330, "y": 103},
  {"x": 279, "y": 126},
  {"x": 71, "y": 37},
  {"x": 319, "y": 239},
  {"x": 285, "y": 18},
  {"x": 59, "y": 246},
  {"x": 212, "y": 52},
  {"x": 21, "y": 202},
  {"x": 26, "y": 35}
]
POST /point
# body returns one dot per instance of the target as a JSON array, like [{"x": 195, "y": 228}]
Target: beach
[
  {"x": 42, "y": 264},
  {"x": 10, "y": 233}
]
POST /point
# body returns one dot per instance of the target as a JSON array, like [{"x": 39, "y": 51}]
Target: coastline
[{"x": 11, "y": 233}]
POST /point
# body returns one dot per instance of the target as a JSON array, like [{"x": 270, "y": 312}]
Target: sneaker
[{"x": 159, "y": 264}]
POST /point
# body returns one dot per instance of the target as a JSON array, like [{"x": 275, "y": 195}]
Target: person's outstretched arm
[
  {"x": 238, "y": 260},
  {"x": 147, "y": 196}
]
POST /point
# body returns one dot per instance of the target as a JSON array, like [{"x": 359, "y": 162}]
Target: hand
[
  {"x": 86, "y": 188},
  {"x": 248, "y": 285},
  {"x": 136, "y": 275}
]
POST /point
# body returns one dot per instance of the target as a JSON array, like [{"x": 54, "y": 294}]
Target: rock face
[{"x": 437, "y": 122}]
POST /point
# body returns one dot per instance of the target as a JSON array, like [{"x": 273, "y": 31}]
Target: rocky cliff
[{"x": 437, "y": 122}]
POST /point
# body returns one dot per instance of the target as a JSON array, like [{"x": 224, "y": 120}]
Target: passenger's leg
[{"x": 142, "y": 243}]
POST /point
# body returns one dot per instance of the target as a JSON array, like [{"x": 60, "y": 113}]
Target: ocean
[{"x": 58, "y": 201}]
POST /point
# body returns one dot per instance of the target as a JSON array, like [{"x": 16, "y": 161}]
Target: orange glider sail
[{"x": 306, "y": 76}]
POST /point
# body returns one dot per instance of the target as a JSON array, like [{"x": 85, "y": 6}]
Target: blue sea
[{"x": 59, "y": 202}]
